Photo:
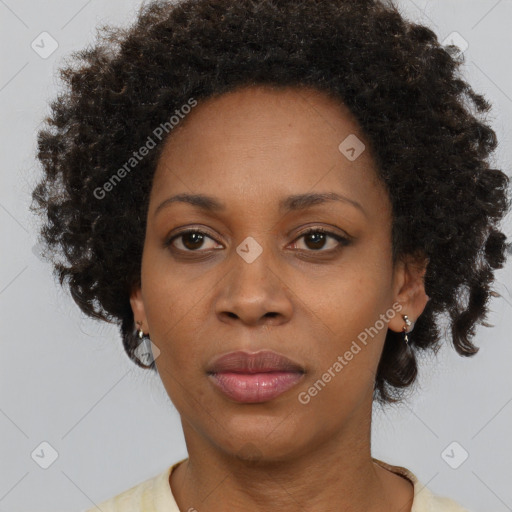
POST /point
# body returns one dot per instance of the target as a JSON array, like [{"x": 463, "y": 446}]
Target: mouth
[{"x": 254, "y": 377}]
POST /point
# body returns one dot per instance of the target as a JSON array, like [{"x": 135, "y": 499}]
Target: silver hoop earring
[{"x": 405, "y": 328}]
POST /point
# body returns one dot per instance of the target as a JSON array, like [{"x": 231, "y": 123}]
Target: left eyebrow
[
  {"x": 290, "y": 203},
  {"x": 303, "y": 201}
]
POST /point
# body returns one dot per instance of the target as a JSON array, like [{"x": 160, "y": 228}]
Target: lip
[
  {"x": 255, "y": 377},
  {"x": 241, "y": 361}
]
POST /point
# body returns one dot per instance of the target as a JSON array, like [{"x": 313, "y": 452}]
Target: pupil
[
  {"x": 198, "y": 238},
  {"x": 319, "y": 241}
]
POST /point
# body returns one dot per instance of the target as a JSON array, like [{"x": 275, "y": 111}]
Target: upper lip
[{"x": 242, "y": 361}]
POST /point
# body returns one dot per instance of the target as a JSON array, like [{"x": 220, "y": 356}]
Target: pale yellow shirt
[{"x": 155, "y": 495}]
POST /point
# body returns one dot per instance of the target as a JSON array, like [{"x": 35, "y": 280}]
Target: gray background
[{"x": 64, "y": 379}]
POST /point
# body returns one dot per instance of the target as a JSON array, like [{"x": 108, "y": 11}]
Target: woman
[{"x": 275, "y": 201}]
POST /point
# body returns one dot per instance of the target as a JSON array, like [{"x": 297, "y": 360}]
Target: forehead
[
  {"x": 264, "y": 139},
  {"x": 257, "y": 109}
]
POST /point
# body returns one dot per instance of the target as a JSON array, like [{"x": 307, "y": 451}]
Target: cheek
[
  {"x": 168, "y": 294},
  {"x": 354, "y": 299},
  {"x": 174, "y": 313},
  {"x": 352, "y": 311}
]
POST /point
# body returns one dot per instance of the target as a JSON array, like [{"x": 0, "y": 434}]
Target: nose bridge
[
  {"x": 253, "y": 287},
  {"x": 252, "y": 264}
]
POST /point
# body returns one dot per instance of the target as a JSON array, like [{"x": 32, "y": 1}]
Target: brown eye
[
  {"x": 315, "y": 239},
  {"x": 190, "y": 240}
]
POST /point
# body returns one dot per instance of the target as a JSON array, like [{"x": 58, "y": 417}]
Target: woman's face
[{"x": 253, "y": 281}]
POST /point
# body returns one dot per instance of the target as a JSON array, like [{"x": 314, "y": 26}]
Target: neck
[{"x": 335, "y": 474}]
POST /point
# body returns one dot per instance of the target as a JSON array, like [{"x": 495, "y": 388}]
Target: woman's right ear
[{"x": 139, "y": 313}]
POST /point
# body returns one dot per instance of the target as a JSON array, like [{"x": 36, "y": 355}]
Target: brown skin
[{"x": 249, "y": 149}]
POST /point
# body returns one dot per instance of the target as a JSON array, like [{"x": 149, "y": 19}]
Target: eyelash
[{"x": 343, "y": 241}]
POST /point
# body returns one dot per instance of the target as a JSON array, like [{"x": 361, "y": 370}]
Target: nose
[{"x": 254, "y": 292}]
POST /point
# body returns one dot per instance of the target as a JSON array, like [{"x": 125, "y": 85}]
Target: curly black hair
[{"x": 423, "y": 122}]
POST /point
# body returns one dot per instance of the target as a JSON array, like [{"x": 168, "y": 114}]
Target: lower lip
[{"x": 254, "y": 387}]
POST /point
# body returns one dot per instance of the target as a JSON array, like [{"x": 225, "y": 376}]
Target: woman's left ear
[
  {"x": 139, "y": 313},
  {"x": 409, "y": 290}
]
